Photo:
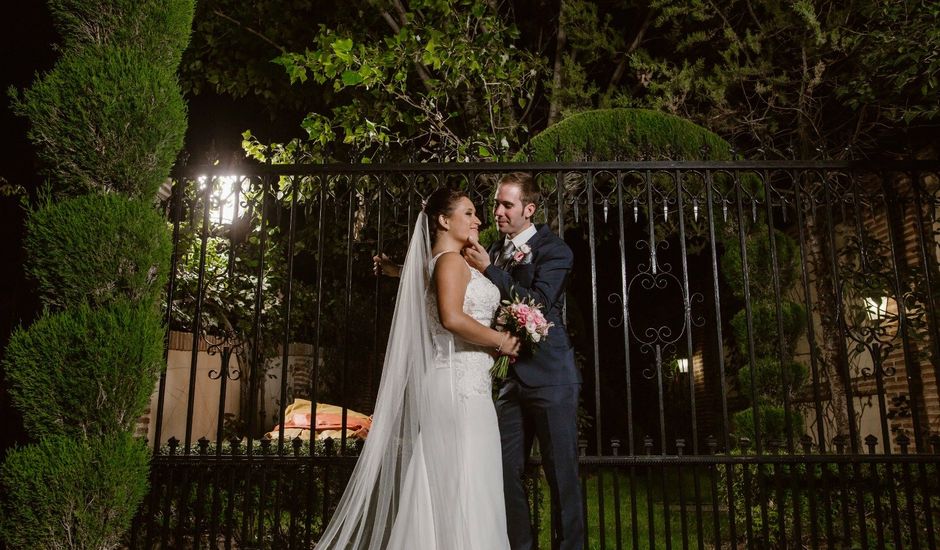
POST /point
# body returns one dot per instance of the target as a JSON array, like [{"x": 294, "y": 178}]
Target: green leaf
[
  {"x": 484, "y": 152},
  {"x": 343, "y": 45},
  {"x": 351, "y": 78}
]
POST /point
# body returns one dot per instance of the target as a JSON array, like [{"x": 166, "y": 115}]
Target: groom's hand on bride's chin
[{"x": 476, "y": 255}]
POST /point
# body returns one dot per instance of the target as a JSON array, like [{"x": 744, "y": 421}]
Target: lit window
[{"x": 683, "y": 365}]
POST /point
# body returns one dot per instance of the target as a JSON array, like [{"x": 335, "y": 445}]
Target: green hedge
[
  {"x": 98, "y": 249},
  {"x": 70, "y": 493},
  {"x": 626, "y": 134},
  {"x": 759, "y": 261},
  {"x": 764, "y": 323},
  {"x": 105, "y": 119},
  {"x": 771, "y": 376},
  {"x": 160, "y": 28},
  {"x": 772, "y": 423},
  {"x": 84, "y": 371}
]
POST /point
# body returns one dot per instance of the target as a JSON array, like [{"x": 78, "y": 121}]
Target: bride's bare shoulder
[{"x": 451, "y": 266}]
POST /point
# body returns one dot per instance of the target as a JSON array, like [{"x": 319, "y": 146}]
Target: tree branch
[
  {"x": 560, "y": 40},
  {"x": 402, "y": 13},
  {"x": 422, "y": 71},
  {"x": 622, "y": 66},
  {"x": 242, "y": 26},
  {"x": 390, "y": 20}
]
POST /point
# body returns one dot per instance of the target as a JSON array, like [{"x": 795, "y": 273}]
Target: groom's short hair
[{"x": 528, "y": 189}]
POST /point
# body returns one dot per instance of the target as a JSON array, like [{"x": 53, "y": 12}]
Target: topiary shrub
[
  {"x": 109, "y": 119},
  {"x": 98, "y": 249},
  {"x": 47, "y": 487},
  {"x": 773, "y": 424},
  {"x": 625, "y": 134},
  {"x": 764, "y": 322},
  {"x": 160, "y": 28},
  {"x": 760, "y": 262},
  {"x": 771, "y": 375},
  {"x": 105, "y": 119},
  {"x": 85, "y": 372}
]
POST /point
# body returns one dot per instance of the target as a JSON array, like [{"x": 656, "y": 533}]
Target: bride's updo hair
[{"x": 441, "y": 203}]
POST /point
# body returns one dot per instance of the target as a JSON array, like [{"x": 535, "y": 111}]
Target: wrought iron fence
[{"x": 759, "y": 343}]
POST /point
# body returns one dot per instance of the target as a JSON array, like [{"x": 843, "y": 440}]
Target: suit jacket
[{"x": 543, "y": 279}]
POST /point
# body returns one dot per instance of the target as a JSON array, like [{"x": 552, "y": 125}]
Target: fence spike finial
[
  {"x": 934, "y": 441},
  {"x": 712, "y": 443},
  {"x": 903, "y": 442},
  {"x": 871, "y": 442}
]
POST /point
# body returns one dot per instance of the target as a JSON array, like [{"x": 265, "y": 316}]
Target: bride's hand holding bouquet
[{"x": 522, "y": 319}]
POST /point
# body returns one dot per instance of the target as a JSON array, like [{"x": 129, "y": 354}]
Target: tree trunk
[
  {"x": 560, "y": 40},
  {"x": 831, "y": 350}
]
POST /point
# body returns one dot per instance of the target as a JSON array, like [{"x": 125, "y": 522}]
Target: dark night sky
[{"x": 26, "y": 36}]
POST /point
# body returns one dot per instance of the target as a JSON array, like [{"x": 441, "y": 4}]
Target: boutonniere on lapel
[{"x": 522, "y": 256}]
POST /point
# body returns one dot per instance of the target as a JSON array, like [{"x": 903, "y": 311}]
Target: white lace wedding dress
[
  {"x": 467, "y": 500},
  {"x": 429, "y": 476}
]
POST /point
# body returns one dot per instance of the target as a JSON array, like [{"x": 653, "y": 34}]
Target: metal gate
[{"x": 759, "y": 344}]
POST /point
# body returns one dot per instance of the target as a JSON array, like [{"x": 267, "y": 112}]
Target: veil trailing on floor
[{"x": 402, "y": 432}]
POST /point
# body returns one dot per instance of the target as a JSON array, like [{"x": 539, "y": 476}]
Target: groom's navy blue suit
[{"x": 540, "y": 397}]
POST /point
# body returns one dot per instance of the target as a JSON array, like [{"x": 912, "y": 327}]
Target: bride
[{"x": 430, "y": 474}]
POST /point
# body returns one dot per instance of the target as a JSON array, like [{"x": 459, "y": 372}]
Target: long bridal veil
[{"x": 407, "y": 426}]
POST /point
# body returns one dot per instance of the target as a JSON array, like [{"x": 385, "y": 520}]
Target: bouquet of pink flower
[{"x": 524, "y": 319}]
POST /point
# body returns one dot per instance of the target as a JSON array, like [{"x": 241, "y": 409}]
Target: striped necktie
[{"x": 506, "y": 255}]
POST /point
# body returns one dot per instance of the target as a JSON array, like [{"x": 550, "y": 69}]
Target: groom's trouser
[{"x": 550, "y": 414}]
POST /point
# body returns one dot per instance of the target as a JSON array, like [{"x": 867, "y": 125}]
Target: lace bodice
[{"x": 471, "y": 363}]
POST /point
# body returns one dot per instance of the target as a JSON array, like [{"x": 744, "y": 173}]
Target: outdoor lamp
[
  {"x": 877, "y": 308},
  {"x": 223, "y": 203}
]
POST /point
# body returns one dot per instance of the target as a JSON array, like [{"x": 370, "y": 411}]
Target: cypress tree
[{"x": 107, "y": 122}]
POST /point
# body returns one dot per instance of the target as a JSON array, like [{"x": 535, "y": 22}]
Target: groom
[{"x": 539, "y": 399}]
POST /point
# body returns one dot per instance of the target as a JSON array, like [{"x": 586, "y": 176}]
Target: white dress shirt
[{"x": 523, "y": 236}]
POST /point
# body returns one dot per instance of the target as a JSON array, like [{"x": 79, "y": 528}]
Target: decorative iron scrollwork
[{"x": 224, "y": 345}]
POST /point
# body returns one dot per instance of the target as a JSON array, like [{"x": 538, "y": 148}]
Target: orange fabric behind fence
[{"x": 329, "y": 422}]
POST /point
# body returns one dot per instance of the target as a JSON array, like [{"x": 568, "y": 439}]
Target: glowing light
[
  {"x": 683, "y": 365},
  {"x": 877, "y": 307},
  {"x": 224, "y": 198}
]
